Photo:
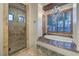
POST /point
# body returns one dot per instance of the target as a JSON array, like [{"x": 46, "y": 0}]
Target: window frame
[{"x": 63, "y": 33}]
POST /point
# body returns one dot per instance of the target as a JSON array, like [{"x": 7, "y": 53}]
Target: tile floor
[
  {"x": 27, "y": 52},
  {"x": 35, "y": 52}
]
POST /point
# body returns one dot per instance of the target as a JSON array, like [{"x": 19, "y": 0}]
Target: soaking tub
[{"x": 62, "y": 42}]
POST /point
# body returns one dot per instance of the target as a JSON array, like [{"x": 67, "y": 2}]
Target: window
[
  {"x": 54, "y": 24},
  {"x": 50, "y": 25},
  {"x": 11, "y": 17},
  {"x": 61, "y": 24},
  {"x": 21, "y": 19},
  {"x": 67, "y": 21}
]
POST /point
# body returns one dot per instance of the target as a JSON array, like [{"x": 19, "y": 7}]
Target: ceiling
[
  {"x": 51, "y": 5},
  {"x": 43, "y": 4}
]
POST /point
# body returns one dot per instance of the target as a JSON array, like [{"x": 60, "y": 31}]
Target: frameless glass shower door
[{"x": 17, "y": 27}]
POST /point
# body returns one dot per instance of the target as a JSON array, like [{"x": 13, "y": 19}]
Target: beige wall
[
  {"x": 33, "y": 15},
  {"x": 74, "y": 22},
  {"x": 77, "y": 27},
  {"x": 39, "y": 22},
  {"x": 1, "y": 29}
]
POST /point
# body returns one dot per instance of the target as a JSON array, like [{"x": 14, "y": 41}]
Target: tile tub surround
[
  {"x": 61, "y": 44},
  {"x": 46, "y": 52}
]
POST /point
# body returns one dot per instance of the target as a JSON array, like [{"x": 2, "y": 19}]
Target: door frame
[{"x": 5, "y": 28}]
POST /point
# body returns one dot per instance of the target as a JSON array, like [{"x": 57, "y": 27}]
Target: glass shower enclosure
[{"x": 17, "y": 27}]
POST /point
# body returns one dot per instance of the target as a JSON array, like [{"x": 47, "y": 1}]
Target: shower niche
[{"x": 16, "y": 27}]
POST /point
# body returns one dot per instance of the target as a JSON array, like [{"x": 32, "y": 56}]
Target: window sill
[{"x": 61, "y": 34}]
